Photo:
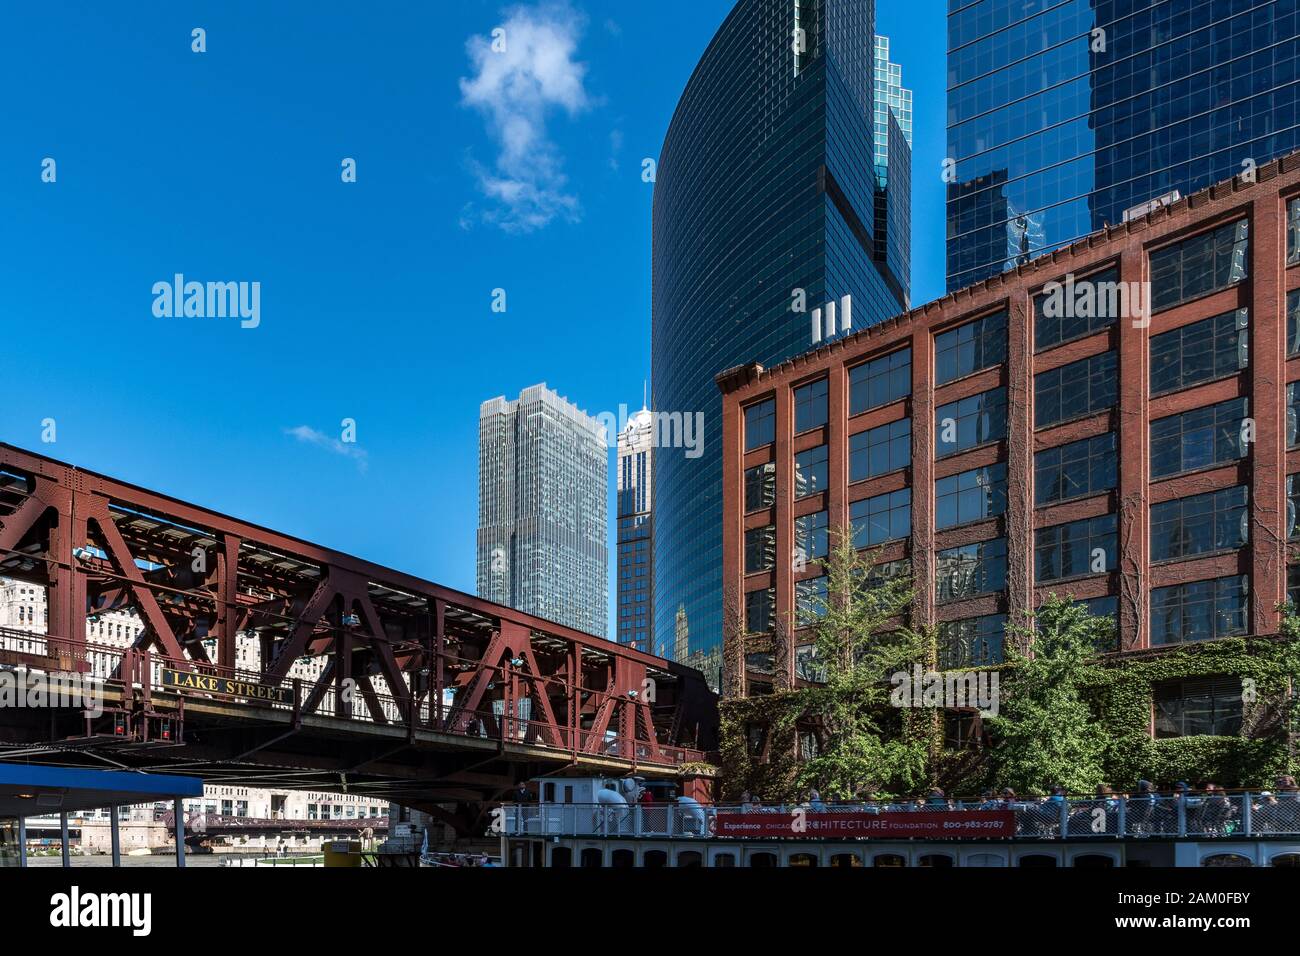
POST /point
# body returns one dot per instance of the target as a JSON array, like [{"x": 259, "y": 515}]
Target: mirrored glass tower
[
  {"x": 1062, "y": 116},
  {"x": 765, "y": 208}
]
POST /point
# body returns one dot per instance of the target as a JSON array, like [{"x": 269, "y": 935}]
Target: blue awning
[{"x": 34, "y": 790}]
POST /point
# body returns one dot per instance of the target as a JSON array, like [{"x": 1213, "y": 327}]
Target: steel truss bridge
[{"x": 423, "y": 694}]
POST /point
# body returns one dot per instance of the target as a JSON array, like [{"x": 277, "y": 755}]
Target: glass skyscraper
[
  {"x": 543, "y": 471},
  {"x": 765, "y": 208},
  {"x": 890, "y": 97},
  {"x": 634, "y": 616},
  {"x": 892, "y": 132},
  {"x": 1061, "y": 116}
]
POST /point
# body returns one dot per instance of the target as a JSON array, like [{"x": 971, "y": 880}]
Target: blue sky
[{"x": 473, "y": 174}]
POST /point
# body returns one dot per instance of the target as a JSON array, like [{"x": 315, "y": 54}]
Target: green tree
[
  {"x": 861, "y": 638},
  {"x": 1289, "y": 664},
  {"x": 1045, "y": 730}
]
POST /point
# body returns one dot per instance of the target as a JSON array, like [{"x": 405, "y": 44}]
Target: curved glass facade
[
  {"x": 766, "y": 184},
  {"x": 1061, "y": 115}
]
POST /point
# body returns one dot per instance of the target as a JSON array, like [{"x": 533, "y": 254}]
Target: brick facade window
[
  {"x": 1293, "y": 323},
  {"x": 810, "y": 536},
  {"x": 806, "y": 666},
  {"x": 1106, "y": 608},
  {"x": 970, "y": 496},
  {"x": 810, "y": 472},
  {"x": 961, "y": 730},
  {"x": 809, "y": 600},
  {"x": 969, "y": 422},
  {"x": 1198, "y": 438},
  {"x": 1198, "y": 524},
  {"x": 1292, "y": 414},
  {"x": 1200, "y": 352},
  {"x": 1087, "y": 311},
  {"x": 759, "y": 606},
  {"x": 970, "y": 569},
  {"x": 1293, "y": 232},
  {"x": 760, "y": 486},
  {"x": 1080, "y": 468},
  {"x": 880, "y": 381},
  {"x": 1292, "y": 506},
  {"x": 1075, "y": 548},
  {"x": 882, "y": 518},
  {"x": 810, "y": 406},
  {"x": 1079, "y": 388},
  {"x": 886, "y": 571},
  {"x": 970, "y": 347},
  {"x": 1200, "y": 610},
  {"x": 760, "y": 424},
  {"x": 760, "y": 549},
  {"x": 1199, "y": 708},
  {"x": 881, "y": 450},
  {"x": 1204, "y": 263},
  {"x": 973, "y": 642}
]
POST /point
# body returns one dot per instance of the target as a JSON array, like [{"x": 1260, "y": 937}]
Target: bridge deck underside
[{"x": 233, "y": 745}]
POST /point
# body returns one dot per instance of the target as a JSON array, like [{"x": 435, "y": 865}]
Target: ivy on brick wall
[
  {"x": 1120, "y": 696},
  {"x": 767, "y": 765}
]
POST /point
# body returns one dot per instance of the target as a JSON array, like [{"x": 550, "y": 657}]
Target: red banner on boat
[{"x": 919, "y": 824}]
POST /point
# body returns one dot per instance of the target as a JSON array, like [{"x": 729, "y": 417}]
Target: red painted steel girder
[{"x": 80, "y": 534}]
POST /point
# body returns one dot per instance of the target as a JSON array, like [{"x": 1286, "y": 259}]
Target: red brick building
[{"x": 1114, "y": 420}]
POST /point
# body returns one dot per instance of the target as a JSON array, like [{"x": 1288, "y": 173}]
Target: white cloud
[
  {"x": 310, "y": 436},
  {"x": 516, "y": 89},
  {"x": 615, "y": 147}
]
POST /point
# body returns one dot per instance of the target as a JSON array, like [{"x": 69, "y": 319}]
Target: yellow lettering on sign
[{"x": 223, "y": 685}]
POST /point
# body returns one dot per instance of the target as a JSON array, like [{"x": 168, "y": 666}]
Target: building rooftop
[{"x": 738, "y": 376}]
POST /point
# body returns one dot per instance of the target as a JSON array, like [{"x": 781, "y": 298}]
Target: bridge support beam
[
  {"x": 22, "y": 843},
  {"x": 116, "y": 833},
  {"x": 178, "y": 809},
  {"x": 227, "y": 617},
  {"x": 63, "y": 832}
]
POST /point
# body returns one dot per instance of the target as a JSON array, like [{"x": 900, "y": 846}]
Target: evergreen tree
[
  {"x": 1046, "y": 733},
  {"x": 1289, "y": 664},
  {"x": 861, "y": 639}
]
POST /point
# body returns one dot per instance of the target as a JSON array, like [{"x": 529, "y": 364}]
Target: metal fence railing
[
  {"x": 1208, "y": 816},
  {"x": 205, "y": 822},
  {"x": 588, "y": 819}
]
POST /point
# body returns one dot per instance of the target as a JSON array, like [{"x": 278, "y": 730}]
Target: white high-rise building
[
  {"x": 542, "y": 513},
  {"x": 635, "y": 531}
]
